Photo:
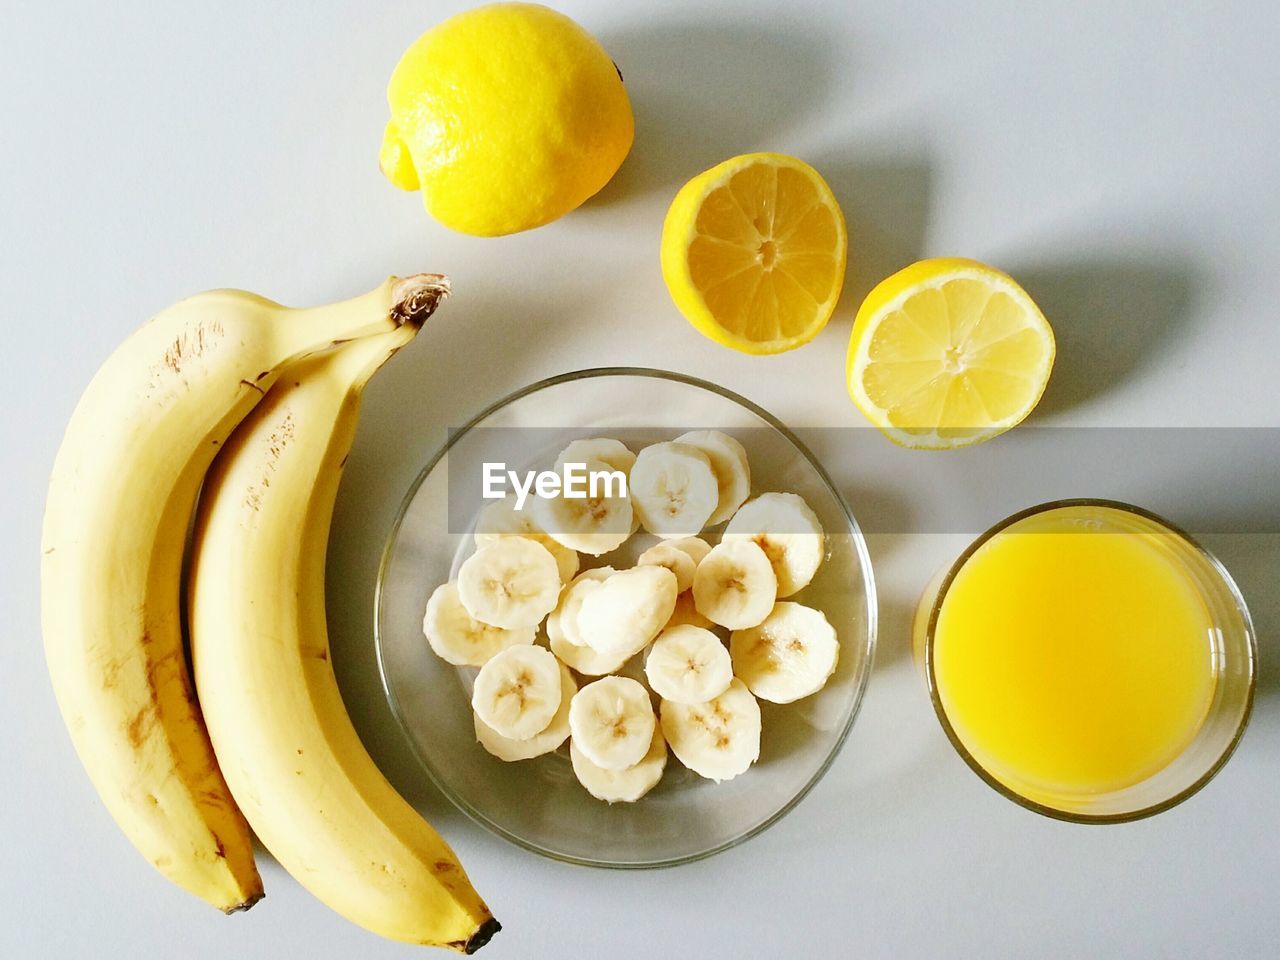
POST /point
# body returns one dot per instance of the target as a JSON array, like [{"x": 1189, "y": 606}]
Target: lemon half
[
  {"x": 948, "y": 352},
  {"x": 753, "y": 252}
]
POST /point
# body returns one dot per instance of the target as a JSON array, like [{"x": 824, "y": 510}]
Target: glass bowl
[{"x": 538, "y": 804}]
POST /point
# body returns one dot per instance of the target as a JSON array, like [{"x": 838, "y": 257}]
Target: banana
[
  {"x": 622, "y": 786},
  {"x": 688, "y": 664},
  {"x": 611, "y": 722},
  {"x": 621, "y": 616},
  {"x": 510, "y": 582},
  {"x": 592, "y": 525},
  {"x": 120, "y": 502},
  {"x": 459, "y": 638},
  {"x": 562, "y": 628},
  {"x": 687, "y": 612},
  {"x": 260, "y": 646},
  {"x": 789, "y": 533},
  {"x": 735, "y": 585},
  {"x": 612, "y": 453},
  {"x": 674, "y": 489},
  {"x": 728, "y": 460},
  {"x": 695, "y": 547},
  {"x": 517, "y": 693},
  {"x": 544, "y": 741},
  {"x": 790, "y": 655},
  {"x": 501, "y": 519},
  {"x": 679, "y": 562},
  {"x": 719, "y": 739}
]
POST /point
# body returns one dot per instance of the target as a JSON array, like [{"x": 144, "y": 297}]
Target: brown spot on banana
[
  {"x": 191, "y": 343},
  {"x": 141, "y": 725}
]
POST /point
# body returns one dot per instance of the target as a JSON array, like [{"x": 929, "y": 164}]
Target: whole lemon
[{"x": 505, "y": 117}]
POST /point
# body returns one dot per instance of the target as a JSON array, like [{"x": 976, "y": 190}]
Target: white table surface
[{"x": 1119, "y": 157}]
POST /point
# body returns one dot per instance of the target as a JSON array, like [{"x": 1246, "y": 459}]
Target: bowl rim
[
  {"x": 868, "y": 588},
  {"x": 1056, "y": 813}
]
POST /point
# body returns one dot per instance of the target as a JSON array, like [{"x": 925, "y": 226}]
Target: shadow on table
[
  {"x": 886, "y": 199},
  {"x": 1111, "y": 317},
  {"x": 703, "y": 91}
]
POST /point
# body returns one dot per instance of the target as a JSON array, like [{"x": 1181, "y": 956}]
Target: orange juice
[{"x": 1074, "y": 657}]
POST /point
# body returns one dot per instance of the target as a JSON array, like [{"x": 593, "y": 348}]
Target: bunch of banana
[{"x": 121, "y": 501}]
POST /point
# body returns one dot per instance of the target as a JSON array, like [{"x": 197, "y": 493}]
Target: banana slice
[
  {"x": 501, "y": 519},
  {"x": 734, "y": 585},
  {"x": 511, "y": 582},
  {"x": 718, "y": 739},
  {"x": 622, "y": 786},
  {"x": 593, "y": 525},
  {"x": 688, "y": 664},
  {"x": 626, "y": 611},
  {"x": 788, "y": 531},
  {"x": 562, "y": 625},
  {"x": 680, "y": 562},
  {"x": 517, "y": 693},
  {"x": 611, "y": 721},
  {"x": 566, "y": 612},
  {"x": 588, "y": 662},
  {"x": 695, "y": 547},
  {"x": 687, "y": 612},
  {"x": 789, "y": 656},
  {"x": 674, "y": 489},
  {"x": 459, "y": 638},
  {"x": 605, "y": 449},
  {"x": 545, "y": 741},
  {"x": 729, "y": 463}
]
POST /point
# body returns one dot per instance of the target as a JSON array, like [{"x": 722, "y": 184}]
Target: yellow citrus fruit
[
  {"x": 753, "y": 252},
  {"x": 505, "y": 117},
  {"x": 946, "y": 353}
]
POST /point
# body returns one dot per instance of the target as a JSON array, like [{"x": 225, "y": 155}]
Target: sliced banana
[
  {"x": 593, "y": 525},
  {"x": 688, "y": 664},
  {"x": 611, "y": 721},
  {"x": 695, "y": 547},
  {"x": 517, "y": 693},
  {"x": 734, "y": 585},
  {"x": 501, "y": 519},
  {"x": 562, "y": 625},
  {"x": 789, "y": 533},
  {"x": 622, "y": 786},
  {"x": 545, "y": 741},
  {"x": 674, "y": 489},
  {"x": 729, "y": 463},
  {"x": 605, "y": 449},
  {"x": 790, "y": 655},
  {"x": 511, "y": 582},
  {"x": 687, "y": 612},
  {"x": 566, "y": 611},
  {"x": 626, "y": 611},
  {"x": 680, "y": 562},
  {"x": 459, "y": 638},
  {"x": 718, "y": 739}
]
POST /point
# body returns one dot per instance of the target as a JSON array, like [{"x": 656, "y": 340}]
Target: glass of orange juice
[{"x": 1089, "y": 660}]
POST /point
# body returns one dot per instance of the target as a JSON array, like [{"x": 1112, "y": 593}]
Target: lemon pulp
[
  {"x": 948, "y": 352},
  {"x": 753, "y": 252}
]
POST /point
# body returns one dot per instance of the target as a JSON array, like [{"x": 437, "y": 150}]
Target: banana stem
[{"x": 415, "y": 298}]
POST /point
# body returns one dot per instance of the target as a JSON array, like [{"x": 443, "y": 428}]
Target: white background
[{"x": 1120, "y": 158}]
